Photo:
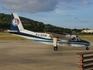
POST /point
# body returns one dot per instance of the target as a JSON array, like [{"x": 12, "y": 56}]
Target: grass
[
  {"x": 8, "y": 36},
  {"x": 86, "y": 37}
]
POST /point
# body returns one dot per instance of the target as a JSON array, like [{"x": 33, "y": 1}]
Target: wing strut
[{"x": 55, "y": 43}]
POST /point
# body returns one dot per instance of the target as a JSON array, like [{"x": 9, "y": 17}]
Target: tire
[
  {"x": 56, "y": 48},
  {"x": 87, "y": 48}
]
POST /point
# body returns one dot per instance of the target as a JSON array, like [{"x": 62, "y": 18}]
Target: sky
[{"x": 63, "y": 13}]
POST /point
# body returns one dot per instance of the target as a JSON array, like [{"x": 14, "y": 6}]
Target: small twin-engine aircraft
[{"x": 48, "y": 37}]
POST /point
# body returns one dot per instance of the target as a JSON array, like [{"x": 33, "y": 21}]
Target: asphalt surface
[{"x": 30, "y": 55}]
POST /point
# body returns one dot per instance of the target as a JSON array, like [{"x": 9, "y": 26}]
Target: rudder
[{"x": 16, "y": 24}]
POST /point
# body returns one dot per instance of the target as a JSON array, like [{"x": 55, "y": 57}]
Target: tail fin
[{"x": 16, "y": 24}]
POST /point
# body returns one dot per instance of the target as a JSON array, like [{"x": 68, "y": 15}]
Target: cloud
[
  {"x": 31, "y": 6},
  {"x": 41, "y": 15},
  {"x": 76, "y": 17},
  {"x": 34, "y": 6},
  {"x": 84, "y": 21},
  {"x": 87, "y": 3}
]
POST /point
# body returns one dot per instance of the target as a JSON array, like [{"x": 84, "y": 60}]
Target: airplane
[{"x": 48, "y": 38}]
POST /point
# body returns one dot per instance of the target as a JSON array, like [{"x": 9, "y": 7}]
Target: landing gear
[
  {"x": 87, "y": 48},
  {"x": 55, "y": 43},
  {"x": 55, "y": 48}
]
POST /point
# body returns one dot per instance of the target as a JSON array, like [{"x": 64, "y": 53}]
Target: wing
[{"x": 59, "y": 36}]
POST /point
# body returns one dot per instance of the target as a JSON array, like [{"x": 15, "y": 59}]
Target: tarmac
[{"x": 30, "y": 55}]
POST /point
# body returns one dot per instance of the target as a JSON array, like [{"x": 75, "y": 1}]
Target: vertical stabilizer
[{"x": 16, "y": 24}]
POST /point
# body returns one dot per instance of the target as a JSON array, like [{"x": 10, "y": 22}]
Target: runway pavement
[{"x": 29, "y": 55}]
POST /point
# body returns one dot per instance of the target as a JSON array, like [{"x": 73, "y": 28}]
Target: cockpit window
[
  {"x": 73, "y": 38},
  {"x": 76, "y": 38}
]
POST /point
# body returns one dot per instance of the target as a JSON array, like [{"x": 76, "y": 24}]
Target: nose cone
[
  {"x": 86, "y": 43},
  {"x": 80, "y": 43}
]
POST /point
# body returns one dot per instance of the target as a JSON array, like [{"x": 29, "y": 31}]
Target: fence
[{"x": 86, "y": 61}]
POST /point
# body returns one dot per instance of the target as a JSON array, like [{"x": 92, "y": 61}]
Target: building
[{"x": 87, "y": 31}]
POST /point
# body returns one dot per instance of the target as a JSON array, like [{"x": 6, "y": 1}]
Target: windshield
[{"x": 75, "y": 38}]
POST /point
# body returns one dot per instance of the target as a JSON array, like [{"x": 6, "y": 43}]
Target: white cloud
[
  {"x": 31, "y": 6},
  {"x": 87, "y": 3},
  {"x": 34, "y": 6}
]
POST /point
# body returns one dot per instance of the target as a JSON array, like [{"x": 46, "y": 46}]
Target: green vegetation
[
  {"x": 5, "y": 20},
  {"x": 29, "y": 24}
]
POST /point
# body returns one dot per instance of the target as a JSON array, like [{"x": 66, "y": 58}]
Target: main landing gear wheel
[
  {"x": 55, "y": 48},
  {"x": 87, "y": 48}
]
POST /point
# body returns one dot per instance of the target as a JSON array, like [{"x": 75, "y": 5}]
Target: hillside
[{"x": 5, "y": 20}]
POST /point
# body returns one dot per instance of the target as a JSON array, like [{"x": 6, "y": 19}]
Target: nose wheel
[
  {"x": 55, "y": 48},
  {"x": 87, "y": 48},
  {"x": 55, "y": 44}
]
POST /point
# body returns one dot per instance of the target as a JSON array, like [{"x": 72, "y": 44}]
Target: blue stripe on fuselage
[
  {"x": 80, "y": 43},
  {"x": 50, "y": 40},
  {"x": 29, "y": 35}
]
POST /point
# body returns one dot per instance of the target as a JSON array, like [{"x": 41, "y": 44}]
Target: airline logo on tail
[{"x": 15, "y": 21}]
